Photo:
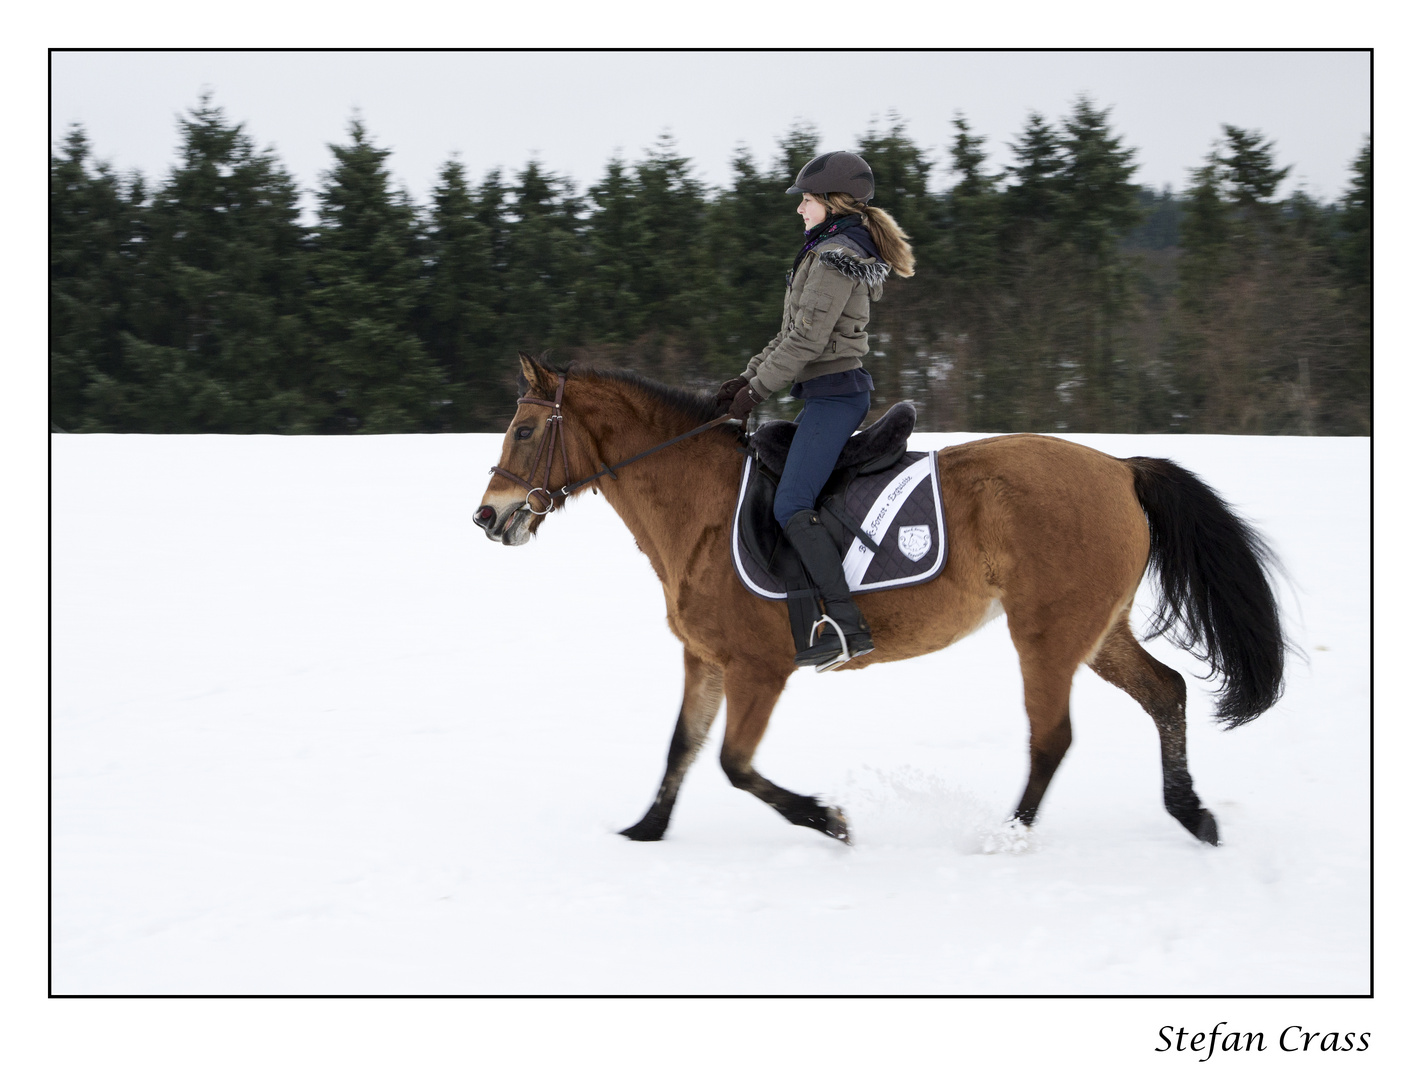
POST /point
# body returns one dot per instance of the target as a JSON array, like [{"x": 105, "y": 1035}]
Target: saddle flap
[
  {"x": 755, "y": 520},
  {"x": 874, "y": 449}
]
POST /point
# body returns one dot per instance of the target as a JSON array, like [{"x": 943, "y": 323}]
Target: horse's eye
[{"x": 524, "y": 433}]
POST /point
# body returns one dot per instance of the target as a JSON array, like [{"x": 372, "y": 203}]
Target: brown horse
[{"x": 1053, "y": 534}]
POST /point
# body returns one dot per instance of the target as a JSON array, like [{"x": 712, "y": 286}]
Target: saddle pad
[{"x": 900, "y": 509}]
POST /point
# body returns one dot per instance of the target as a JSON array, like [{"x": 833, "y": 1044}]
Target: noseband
[{"x": 553, "y": 433}]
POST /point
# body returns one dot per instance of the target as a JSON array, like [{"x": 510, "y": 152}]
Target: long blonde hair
[{"x": 891, "y": 240}]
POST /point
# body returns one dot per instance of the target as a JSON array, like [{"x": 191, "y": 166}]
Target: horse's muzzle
[
  {"x": 504, "y": 529},
  {"x": 487, "y": 518}
]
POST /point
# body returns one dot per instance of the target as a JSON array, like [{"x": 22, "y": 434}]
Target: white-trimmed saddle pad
[{"x": 900, "y": 509}]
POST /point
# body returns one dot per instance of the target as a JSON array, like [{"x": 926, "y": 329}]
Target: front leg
[
  {"x": 700, "y": 700},
  {"x": 751, "y": 694}
]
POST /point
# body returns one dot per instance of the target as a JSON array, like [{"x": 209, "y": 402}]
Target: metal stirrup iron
[{"x": 834, "y": 661}]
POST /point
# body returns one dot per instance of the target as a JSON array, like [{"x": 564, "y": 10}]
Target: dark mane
[{"x": 698, "y": 406}]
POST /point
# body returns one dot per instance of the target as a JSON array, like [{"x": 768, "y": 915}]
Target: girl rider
[{"x": 849, "y": 250}]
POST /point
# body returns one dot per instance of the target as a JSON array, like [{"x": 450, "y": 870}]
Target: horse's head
[{"x": 533, "y": 466}]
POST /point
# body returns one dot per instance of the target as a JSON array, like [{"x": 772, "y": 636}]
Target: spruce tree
[
  {"x": 457, "y": 317},
  {"x": 1035, "y": 192},
  {"x": 1260, "y": 344},
  {"x": 373, "y": 372},
  {"x": 1354, "y": 254},
  {"x": 612, "y": 311},
  {"x": 973, "y": 218},
  {"x": 1355, "y": 226},
  {"x": 1098, "y": 209},
  {"x": 543, "y": 262},
  {"x": 756, "y": 234},
  {"x": 219, "y": 343},
  {"x": 1100, "y": 202},
  {"x": 901, "y": 174},
  {"x": 672, "y": 271},
  {"x": 91, "y": 260},
  {"x": 973, "y": 283},
  {"x": 1040, "y": 301}
]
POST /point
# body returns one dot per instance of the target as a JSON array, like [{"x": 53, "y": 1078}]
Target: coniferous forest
[{"x": 1057, "y": 295}]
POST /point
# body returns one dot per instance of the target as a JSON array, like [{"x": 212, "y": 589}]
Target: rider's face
[{"x": 811, "y": 210}]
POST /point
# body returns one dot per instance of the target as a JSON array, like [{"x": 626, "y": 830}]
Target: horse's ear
[{"x": 534, "y": 374}]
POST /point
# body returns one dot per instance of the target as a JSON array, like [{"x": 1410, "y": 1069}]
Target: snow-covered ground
[{"x": 313, "y": 734}]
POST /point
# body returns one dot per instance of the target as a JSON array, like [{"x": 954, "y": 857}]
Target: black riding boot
[{"x": 816, "y": 548}]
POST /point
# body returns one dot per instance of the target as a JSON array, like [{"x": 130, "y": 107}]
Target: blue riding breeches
[{"x": 824, "y": 426}]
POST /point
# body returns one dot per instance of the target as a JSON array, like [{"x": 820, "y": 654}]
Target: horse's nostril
[{"x": 484, "y": 515}]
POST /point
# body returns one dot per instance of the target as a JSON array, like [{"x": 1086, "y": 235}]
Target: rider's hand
[
  {"x": 729, "y": 389},
  {"x": 746, "y": 400}
]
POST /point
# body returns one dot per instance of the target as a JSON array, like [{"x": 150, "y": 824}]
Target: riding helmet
[{"x": 839, "y": 170}]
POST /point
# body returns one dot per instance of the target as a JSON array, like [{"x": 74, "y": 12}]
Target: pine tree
[
  {"x": 1354, "y": 254},
  {"x": 901, "y": 174},
  {"x": 91, "y": 260},
  {"x": 373, "y": 370},
  {"x": 1259, "y": 346},
  {"x": 612, "y": 310},
  {"x": 220, "y": 344},
  {"x": 1099, "y": 208},
  {"x": 672, "y": 274},
  {"x": 1041, "y": 310},
  {"x": 543, "y": 262},
  {"x": 973, "y": 218},
  {"x": 973, "y": 274},
  {"x": 457, "y": 318},
  {"x": 1249, "y": 168},
  {"x": 756, "y": 232},
  {"x": 1035, "y": 192},
  {"x": 1355, "y": 225},
  {"x": 1204, "y": 236},
  {"x": 1100, "y": 204}
]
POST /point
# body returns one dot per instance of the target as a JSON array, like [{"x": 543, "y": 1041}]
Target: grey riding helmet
[{"x": 839, "y": 170}]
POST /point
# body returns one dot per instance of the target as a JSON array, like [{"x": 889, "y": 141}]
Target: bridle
[{"x": 553, "y": 434}]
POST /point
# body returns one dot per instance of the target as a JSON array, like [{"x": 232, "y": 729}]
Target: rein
[{"x": 553, "y": 433}]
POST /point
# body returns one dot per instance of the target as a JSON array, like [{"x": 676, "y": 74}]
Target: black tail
[{"x": 1215, "y": 597}]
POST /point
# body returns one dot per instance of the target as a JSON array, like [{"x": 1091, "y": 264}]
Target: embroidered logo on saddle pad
[
  {"x": 899, "y": 509},
  {"x": 915, "y": 540}
]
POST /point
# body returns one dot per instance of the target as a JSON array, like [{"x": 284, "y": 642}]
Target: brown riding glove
[
  {"x": 729, "y": 389},
  {"x": 746, "y": 400}
]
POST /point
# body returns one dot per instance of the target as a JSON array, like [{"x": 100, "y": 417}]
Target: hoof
[
  {"x": 644, "y": 830},
  {"x": 830, "y": 821},
  {"x": 1205, "y": 828}
]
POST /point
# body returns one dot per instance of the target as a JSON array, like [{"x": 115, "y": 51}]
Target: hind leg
[
  {"x": 751, "y": 694},
  {"x": 1161, "y": 692},
  {"x": 1046, "y": 684},
  {"x": 700, "y": 700}
]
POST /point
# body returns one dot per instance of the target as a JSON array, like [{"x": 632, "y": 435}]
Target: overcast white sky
[{"x": 575, "y": 110}]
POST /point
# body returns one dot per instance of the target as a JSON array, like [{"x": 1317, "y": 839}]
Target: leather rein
[{"x": 553, "y": 434}]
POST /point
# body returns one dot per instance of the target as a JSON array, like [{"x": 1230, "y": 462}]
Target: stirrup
[{"x": 834, "y": 661}]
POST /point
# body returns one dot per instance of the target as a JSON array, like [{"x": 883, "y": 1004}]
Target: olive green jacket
[{"x": 822, "y": 330}]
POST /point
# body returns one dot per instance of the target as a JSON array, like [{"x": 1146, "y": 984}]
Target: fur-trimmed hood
[{"x": 871, "y": 271}]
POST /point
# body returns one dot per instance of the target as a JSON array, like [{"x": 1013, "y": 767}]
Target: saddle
[
  {"x": 876, "y": 481},
  {"x": 874, "y": 449}
]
